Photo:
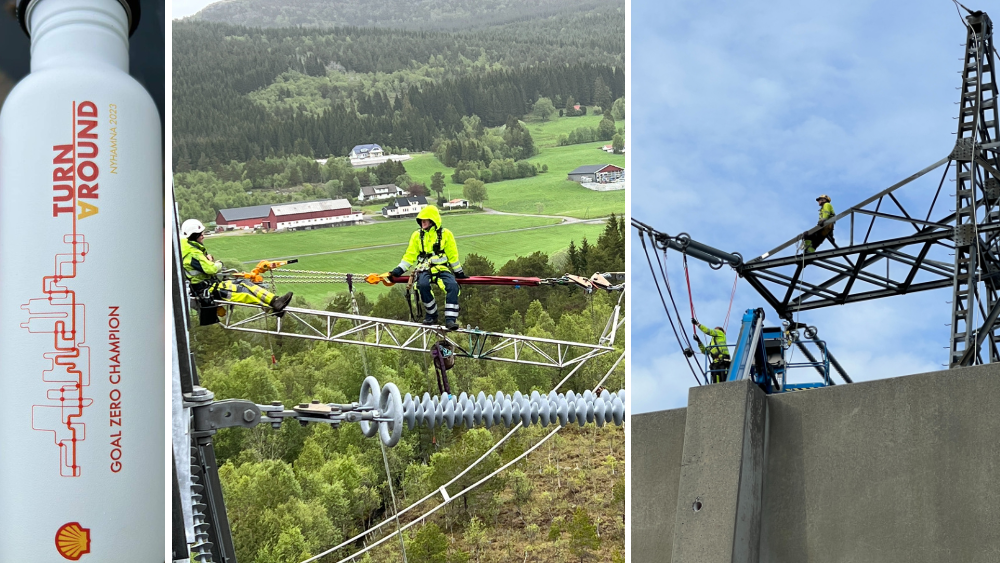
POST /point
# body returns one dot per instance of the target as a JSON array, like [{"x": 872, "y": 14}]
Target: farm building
[
  {"x": 384, "y": 191},
  {"x": 404, "y": 207},
  {"x": 242, "y": 217},
  {"x": 305, "y": 214},
  {"x": 597, "y": 173},
  {"x": 457, "y": 204},
  {"x": 360, "y": 152},
  {"x": 312, "y": 214}
]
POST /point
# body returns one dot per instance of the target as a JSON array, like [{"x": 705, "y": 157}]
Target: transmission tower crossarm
[
  {"x": 852, "y": 210},
  {"x": 415, "y": 337}
]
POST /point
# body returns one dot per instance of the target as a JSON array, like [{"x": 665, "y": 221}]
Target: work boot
[
  {"x": 430, "y": 320},
  {"x": 278, "y": 304},
  {"x": 451, "y": 324}
]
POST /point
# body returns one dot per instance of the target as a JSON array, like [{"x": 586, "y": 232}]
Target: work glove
[
  {"x": 218, "y": 265},
  {"x": 694, "y": 320},
  {"x": 460, "y": 274},
  {"x": 396, "y": 272}
]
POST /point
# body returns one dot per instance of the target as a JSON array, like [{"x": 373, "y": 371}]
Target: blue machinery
[{"x": 764, "y": 355}]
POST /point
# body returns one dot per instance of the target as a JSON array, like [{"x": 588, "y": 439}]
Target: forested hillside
[
  {"x": 448, "y": 15},
  {"x": 241, "y": 93}
]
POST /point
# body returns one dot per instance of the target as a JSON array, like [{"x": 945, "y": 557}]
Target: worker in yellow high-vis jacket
[
  {"x": 201, "y": 269},
  {"x": 434, "y": 253},
  {"x": 826, "y": 211},
  {"x": 717, "y": 350}
]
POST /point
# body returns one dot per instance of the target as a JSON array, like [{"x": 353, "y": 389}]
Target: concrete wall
[
  {"x": 657, "y": 442},
  {"x": 900, "y": 470}
]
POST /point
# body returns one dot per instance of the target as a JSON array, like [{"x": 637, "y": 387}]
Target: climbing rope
[
  {"x": 687, "y": 359},
  {"x": 687, "y": 277},
  {"x": 356, "y": 309},
  {"x": 663, "y": 271},
  {"x": 732, "y": 296}
]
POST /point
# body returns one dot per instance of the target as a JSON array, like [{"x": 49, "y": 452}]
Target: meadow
[
  {"x": 379, "y": 247},
  {"x": 548, "y": 193}
]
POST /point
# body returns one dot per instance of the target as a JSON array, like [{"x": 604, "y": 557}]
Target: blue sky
[{"x": 741, "y": 114}]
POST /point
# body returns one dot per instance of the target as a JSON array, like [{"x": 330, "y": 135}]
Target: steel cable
[{"x": 463, "y": 491}]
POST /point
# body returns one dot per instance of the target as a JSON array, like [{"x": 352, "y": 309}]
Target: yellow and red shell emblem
[{"x": 73, "y": 541}]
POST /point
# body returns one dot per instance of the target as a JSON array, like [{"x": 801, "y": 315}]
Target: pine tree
[{"x": 583, "y": 536}]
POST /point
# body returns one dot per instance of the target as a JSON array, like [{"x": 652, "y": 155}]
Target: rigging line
[
  {"x": 395, "y": 509},
  {"x": 662, "y": 300},
  {"x": 455, "y": 478},
  {"x": 670, "y": 293},
  {"x": 687, "y": 341},
  {"x": 732, "y": 296},
  {"x": 687, "y": 277},
  {"x": 470, "y": 487}
]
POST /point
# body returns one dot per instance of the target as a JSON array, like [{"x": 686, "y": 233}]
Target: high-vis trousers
[
  {"x": 447, "y": 279},
  {"x": 243, "y": 292}
]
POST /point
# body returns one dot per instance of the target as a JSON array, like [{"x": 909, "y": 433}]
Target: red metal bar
[{"x": 483, "y": 280}]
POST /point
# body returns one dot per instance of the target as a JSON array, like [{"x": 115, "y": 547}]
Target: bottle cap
[{"x": 131, "y": 10}]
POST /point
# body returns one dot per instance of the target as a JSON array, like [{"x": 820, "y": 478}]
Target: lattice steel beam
[{"x": 414, "y": 337}]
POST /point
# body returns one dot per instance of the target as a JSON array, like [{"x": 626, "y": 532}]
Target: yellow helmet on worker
[
  {"x": 823, "y": 197},
  {"x": 430, "y": 213}
]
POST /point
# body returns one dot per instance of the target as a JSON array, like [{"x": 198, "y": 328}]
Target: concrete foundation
[{"x": 900, "y": 470}]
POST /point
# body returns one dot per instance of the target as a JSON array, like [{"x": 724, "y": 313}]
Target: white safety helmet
[{"x": 190, "y": 227}]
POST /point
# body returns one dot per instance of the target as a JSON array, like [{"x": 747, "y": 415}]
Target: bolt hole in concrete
[{"x": 696, "y": 506}]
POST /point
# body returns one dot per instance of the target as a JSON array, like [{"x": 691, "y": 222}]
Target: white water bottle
[{"x": 81, "y": 295}]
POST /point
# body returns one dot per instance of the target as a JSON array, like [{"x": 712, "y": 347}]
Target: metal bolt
[{"x": 249, "y": 415}]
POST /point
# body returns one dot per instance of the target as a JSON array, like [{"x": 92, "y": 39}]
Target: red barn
[
  {"x": 303, "y": 214},
  {"x": 311, "y": 214}
]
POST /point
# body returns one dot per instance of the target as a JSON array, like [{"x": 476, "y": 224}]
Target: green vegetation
[
  {"x": 498, "y": 248},
  {"x": 294, "y": 492},
  {"x": 242, "y": 92},
  {"x": 397, "y": 231},
  {"x": 520, "y": 16},
  {"x": 547, "y": 134}
]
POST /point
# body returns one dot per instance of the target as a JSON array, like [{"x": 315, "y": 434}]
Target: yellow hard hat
[{"x": 824, "y": 196}]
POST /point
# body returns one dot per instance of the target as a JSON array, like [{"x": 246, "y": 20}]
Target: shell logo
[{"x": 73, "y": 541}]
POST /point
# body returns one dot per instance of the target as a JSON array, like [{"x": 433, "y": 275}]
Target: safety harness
[{"x": 423, "y": 265}]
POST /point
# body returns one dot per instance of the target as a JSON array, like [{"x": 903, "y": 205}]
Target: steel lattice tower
[{"x": 976, "y": 194}]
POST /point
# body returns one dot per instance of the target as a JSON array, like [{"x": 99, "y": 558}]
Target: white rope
[
  {"x": 395, "y": 509},
  {"x": 456, "y": 478},
  {"x": 467, "y": 489}
]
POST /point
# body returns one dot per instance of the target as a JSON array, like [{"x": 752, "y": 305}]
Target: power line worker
[
  {"x": 434, "y": 252},
  {"x": 826, "y": 211},
  {"x": 717, "y": 351},
  {"x": 201, "y": 269}
]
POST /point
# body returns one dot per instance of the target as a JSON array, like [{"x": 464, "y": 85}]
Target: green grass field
[
  {"x": 545, "y": 134},
  {"x": 546, "y": 194},
  {"x": 552, "y": 194},
  {"x": 254, "y": 247},
  {"x": 359, "y": 250},
  {"x": 423, "y": 165}
]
